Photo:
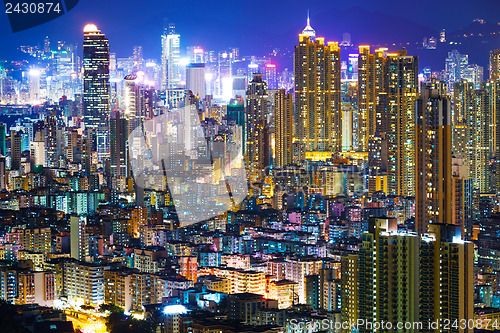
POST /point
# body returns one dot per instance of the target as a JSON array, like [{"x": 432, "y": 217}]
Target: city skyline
[
  {"x": 198, "y": 32},
  {"x": 189, "y": 187}
]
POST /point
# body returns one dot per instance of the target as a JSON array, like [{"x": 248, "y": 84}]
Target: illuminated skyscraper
[
  {"x": 34, "y": 84},
  {"x": 195, "y": 79},
  {"x": 257, "y": 131},
  {"x": 433, "y": 157},
  {"x": 474, "y": 74},
  {"x": 455, "y": 66},
  {"x": 406, "y": 278},
  {"x": 3, "y": 139},
  {"x": 493, "y": 89},
  {"x": 138, "y": 57},
  {"x": 495, "y": 64},
  {"x": 78, "y": 237},
  {"x": 402, "y": 91},
  {"x": 317, "y": 94},
  {"x": 446, "y": 277},
  {"x": 170, "y": 57},
  {"x": 271, "y": 78},
  {"x": 118, "y": 143},
  {"x": 462, "y": 198},
  {"x": 137, "y": 100},
  {"x": 15, "y": 150},
  {"x": 473, "y": 135},
  {"x": 371, "y": 82},
  {"x": 283, "y": 132},
  {"x": 53, "y": 141},
  {"x": 96, "y": 89}
]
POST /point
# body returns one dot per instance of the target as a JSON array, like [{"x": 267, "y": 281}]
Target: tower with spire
[
  {"x": 308, "y": 30},
  {"x": 317, "y": 117}
]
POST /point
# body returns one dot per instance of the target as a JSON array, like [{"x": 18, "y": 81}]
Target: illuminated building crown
[{"x": 308, "y": 30}]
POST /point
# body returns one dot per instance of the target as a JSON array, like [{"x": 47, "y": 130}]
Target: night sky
[{"x": 249, "y": 25}]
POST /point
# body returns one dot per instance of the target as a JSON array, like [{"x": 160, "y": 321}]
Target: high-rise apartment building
[
  {"x": 407, "y": 278},
  {"x": 388, "y": 275},
  {"x": 257, "y": 148},
  {"x": 317, "y": 94},
  {"x": 78, "y": 237},
  {"x": 35, "y": 239},
  {"x": 3, "y": 139},
  {"x": 495, "y": 64},
  {"x": 462, "y": 198},
  {"x": 473, "y": 135},
  {"x": 15, "y": 150},
  {"x": 283, "y": 130},
  {"x": 349, "y": 280},
  {"x": 297, "y": 269},
  {"x": 118, "y": 144},
  {"x": 53, "y": 136},
  {"x": 402, "y": 91},
  {"x": 84, "y": 281},
  {"x": 446, "y": 277},
  {"x": 371, "y": 83},
  {"x": 433, "y": 156}
]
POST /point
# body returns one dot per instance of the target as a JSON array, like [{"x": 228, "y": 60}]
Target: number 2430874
[{"x": 32, "y": 8}]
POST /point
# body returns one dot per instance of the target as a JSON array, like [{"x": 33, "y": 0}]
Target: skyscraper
[
  {"x": 138, "y": 57},
  {"x": 388, "y": 275},
  {"x": 317, "y": 94},
  {"x": 446, "y": 277},
  {"x": 495, "y": 64},
  {"x": 371, "y": 79},
  {"x": 473, "y": 135},
  {"x": 271, "y": 77},
  {"x": 462, "y": 198},
  {"x": 78, "y": 237},
  {"x": 402, "y": 91},
  {"x": 137, "y": 101},
  {"x": 455, "y": 65},
  {"x": 3, "y": 139},
  {"x": 433, "y": 157},
  {"x": 53, "y": 141},
  {"x": 118, "y": 143},
  {"x": 257, "y": 130},
  {"x": 96, "y": 89},
  {"x": 283, "y": 132},
  {"x": 170, "y": 56},
  {"x": 408, "y": 278},
  {"x": 195, "y": 79},
  {"x": 15, "y": 150}
]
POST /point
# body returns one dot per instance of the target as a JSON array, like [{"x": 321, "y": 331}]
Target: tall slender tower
[
  {"x": 170, "y": 56},
  {"x": 371, "y": 79},
  {"x": 495, "y": 64},
  {"x": 317, "y": 94},
  {"x": 473, "y": 133},
  {"x": 283, "y": 113},
  {"x": 257, "y": 140},
  {"x": 118, "y": 141},
  {"x": 96, "y": 89},
  {"x": 434, "y": 186},
  {"x": 402, "y": 91},
  {"x": 3, "y": 139}
]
